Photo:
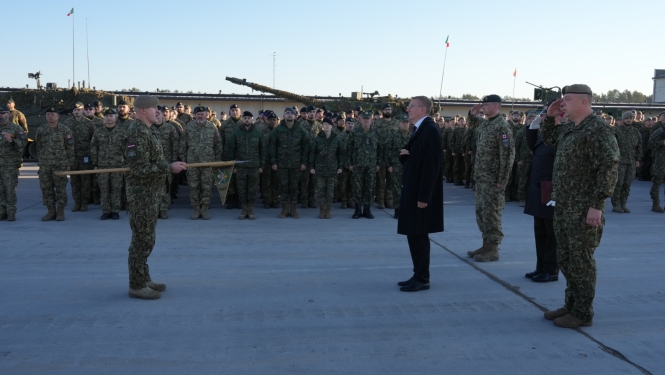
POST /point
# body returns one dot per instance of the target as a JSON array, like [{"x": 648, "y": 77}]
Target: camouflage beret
[
  {"x": 627, "y": 115},
  {"x": 78, "y": 105},
  {"x": 52, "y": 109},
  {"x": 366, "y": 114},
  {"x": 3, "y": 109},
  {"x": 492, "y": 99},
  {"x": 146, "y": 101},
  {"x": 200, "y": 108},
  {"x": 110, "y": 112},
  {"x": 577, "y": 89},
  {"x": 247, "y": 114}
]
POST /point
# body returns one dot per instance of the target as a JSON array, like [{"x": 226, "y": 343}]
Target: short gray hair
[{"x": 424, "y": 101}]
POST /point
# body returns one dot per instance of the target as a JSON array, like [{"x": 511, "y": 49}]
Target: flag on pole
[
  {"x": 70, "y": 12},
  {"x": 515, "y": 73},
  {"x": 447, "y": 44}
]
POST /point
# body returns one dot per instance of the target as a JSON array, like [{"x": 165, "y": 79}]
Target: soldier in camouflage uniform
[
  {"x": 308, "y": 182},
  {"x": 107, "y": 150},
  {"x": 16, "y": 116},
  {"x": 447, "y": 149},
  {"x": 288, "y": 151},
  {"x": 469, "y": 151},
  {"x": 55, "y": 147},
  {"x": 326, "y": 158},
  {"x": 644, "y": 171},
  {"x": 213, "y": 118},
  {"x": 99, "y": 109},
  {"x": 523, "y": 157},
  {"x": 14, "y": 138},
  {"x": 456, "y": 144},
  {"x": 227, "y": 129},
  {"x": 147, "y": 167},
  {"x": 248, "y": 143},
  {"x": 397, "y": 140},
  {"x": 170, "y": 139},
  {"x": 343, "y": 186},
  {"x": 82, "y": 131},
  {"x": 495, "y": 152},
  {"x": 201, "y": 143},
  {"x": 585, "y": 173},
  {"x": 364, "y": 155},
  {"x": 123, "y": 120},
  {"x": 97, "y": 122},
  {"x": 657, "y": 146},
  {"x": 514, "y": 121},
  {"x": 171, "y": 118},
  {"x": 630, "y": 149},
  {"x": 269, "y": 177},
  {"x": 384, "y": 126}
]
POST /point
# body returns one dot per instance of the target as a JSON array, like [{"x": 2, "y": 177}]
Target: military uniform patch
[
  {"x": 505, "y": 140},
  {"x": 131, "y": 152},
  {"x": 69, "y": 140}
]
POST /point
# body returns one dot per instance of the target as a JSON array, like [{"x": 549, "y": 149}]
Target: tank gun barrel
[{"x": 282, "y": 94}]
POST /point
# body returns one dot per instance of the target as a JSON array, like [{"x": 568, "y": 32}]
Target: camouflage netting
[
  {"x": 342, "y": 104},
  {"x": 36, "y": 101}
]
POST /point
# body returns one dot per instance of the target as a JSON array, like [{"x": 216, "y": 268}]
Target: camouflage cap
[
  {"x": 349, "y": 119},
  {"x": 3, "y": 109},
  {"x": 146, "y": 101},
  {"x": 89, "y": 106},
  {"x": 387, "y": 105},
  {"x": 404, "y": 118},
  {"x": 51, "y": 109},
  {"x": 627, "y": 115},
  {"x": 78, "y": 105},
  {"x": 492, "y": 99},
  {"x": 366, "y": 114},
  {"x": 110, "y": 112},
  {"x": 200, "y": 108},
  {"x": 577, "y": 88},
  {"x": 247, "y": 114},
  {"x": 122, "y": 102}
]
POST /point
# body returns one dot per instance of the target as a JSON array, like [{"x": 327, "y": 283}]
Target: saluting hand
[
  {"x": 475, "y": 110},
  {"x": 554, "y": 109}
]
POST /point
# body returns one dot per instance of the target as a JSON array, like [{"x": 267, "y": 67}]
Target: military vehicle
[
  {"x": 33, "y": 104},
  {"x": 372, "y": 101}
]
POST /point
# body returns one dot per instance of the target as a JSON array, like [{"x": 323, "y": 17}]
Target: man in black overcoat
[{"x": 421, "y": 204}]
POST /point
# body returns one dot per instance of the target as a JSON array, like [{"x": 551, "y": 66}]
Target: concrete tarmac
[{"x": 311, "y": 296}]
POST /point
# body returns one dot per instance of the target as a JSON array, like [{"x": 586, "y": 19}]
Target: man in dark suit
[{"x": 421, "y": 204}]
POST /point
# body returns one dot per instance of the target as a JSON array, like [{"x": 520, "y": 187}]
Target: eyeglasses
[{"x": 412, "y": 106}]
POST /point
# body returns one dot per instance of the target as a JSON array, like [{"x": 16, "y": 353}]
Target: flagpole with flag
[
  {"x": 514, "y": 79},
  {"x": 71, "y": 13},
  {"x": 444, "y": 68}
]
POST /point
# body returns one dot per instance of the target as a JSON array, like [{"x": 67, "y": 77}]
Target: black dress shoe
[
  {"x": 415, "y": 286},
  {"x": 405, "y": 283},
  {"x": 532, "y": 274},
  {"x": 544, "y": 278},
  {"x": 115, "y": 216},
  {"x": 105, "y": 216}
]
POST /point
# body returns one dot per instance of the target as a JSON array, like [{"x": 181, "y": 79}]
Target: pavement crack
[{"x": 516, "y": 290}]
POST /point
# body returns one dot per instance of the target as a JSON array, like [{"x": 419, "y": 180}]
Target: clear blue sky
[{"x": 333, "y": 47}]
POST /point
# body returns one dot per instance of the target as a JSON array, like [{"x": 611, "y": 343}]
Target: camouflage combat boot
[
  {"x": 11, "y": 216},
  {"x": 77, "y": 207},
  {"x": 243, "y": 213},
  {"x": 294, "y": 210},
  {"x": 145, "y": 293},
  {"x": 50, "y": 215},
  {"x": 327, "y": 213},
  {"x": 344, "y": 205},
  {"x": 156, "y": 286},
  {"x": 322, "y": 211},
  {"x": 195, "y": 213},
  {"x": 491, "y": 253},
  {"x": 617, "y": 208},
  {"x": 553, "y": 314},
  {"x": 656, "y": 208},
  {"x": 285, "y": 210},
  {"x": 60, "y": 214},
  {"x": 84, "y": 207},
  {"x": 204, "y": 212},
  {"x": 569, "y": 321},
  {"x": 250, "y": 212},
  {"x": 480, "y": 250}
]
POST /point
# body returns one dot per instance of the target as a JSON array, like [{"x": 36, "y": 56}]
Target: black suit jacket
[
  {"x": 542, "y": 168},
  {"x": 422, "y": 181}
]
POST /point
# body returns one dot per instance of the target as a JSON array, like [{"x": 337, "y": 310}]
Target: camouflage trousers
[
  {"x": 325, "y": 189},
  {"x": 110, "y": 187},
  {"x": 200, "y": 185},
  {"x": 458, "y": 167},
  {"x": 523, "y": 172},
  {"x": 645, "y": 166},
  {"x": 343, "y": 187},
  {"x": 289, "y": 183},
  {"x": 165, "y": 196},
  {"x": 448, "y": 164},
  {"x": 657, "y": 175},
  {"x": 468, "y": 166},
  {"x": 625, "y": 178},
  {"x": 363, "y": 184},
  {"x": 511, "y": 186},
  {"x": 270, "y": 185},
  {"x": 397, "y": 185},
  {"x": 576, "y": 243},
  {"x": 489, "y": 203},
  {"x": 143, "y": 209},
  {"x": 382, "y": 190},
  {"x": 54, "y": 188},
  {"x": 307, "y": 187},
  {"x": 247, "y": 180},
  {"x": 8, "y": 183},
  {"x": 82, "y": 184}
]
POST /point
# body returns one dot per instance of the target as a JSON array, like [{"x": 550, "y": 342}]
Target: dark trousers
[
  {"x": 543, "y": 230},
  {"x": 419, "y": 246}
]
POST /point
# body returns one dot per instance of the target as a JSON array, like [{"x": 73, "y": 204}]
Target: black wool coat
[
  {"x": 422, "y": 181},
  {"x": 542, "y": 167}
]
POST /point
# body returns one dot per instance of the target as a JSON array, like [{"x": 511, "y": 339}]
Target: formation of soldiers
[{"x": 290, "y": 159}]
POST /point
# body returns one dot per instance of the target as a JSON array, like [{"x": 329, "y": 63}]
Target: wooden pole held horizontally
[{"x": 115, "y": 170}]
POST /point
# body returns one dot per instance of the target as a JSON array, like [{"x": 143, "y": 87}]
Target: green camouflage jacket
[
  {"x": 522, "y": 151},
  {"x": 11, "y": 154},
  {"x": 585, "y": 164},
  {"x": 326, "y": 155},
  {"x": 495, "y": 150},
  {"x": 630, "y": 143},
  {"x": 200, "y": 143},
  {"x": 288, "y": 148},
  {"x": 123, "y": 122},
  {"x": 170, "y": 139},
  {"x": 469, "y": 139},
  {"x": 228, "y": 128},
  {"x": 17, "y": 117},
  {"x": 456, "y": 140},
  {"x": 144, "y": 156},
  {"x": 82, "y": 131},
  {"x": 248, "y": 144},
  {"x": 97, "y": 122},
  {"x": 364, "y": 150},
  {"x": 396, "y": 141},
  {"x": 55, "y": 146},
  {"x": 108, "y": 147}
]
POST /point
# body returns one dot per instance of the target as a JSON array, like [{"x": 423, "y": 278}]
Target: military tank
[
  {"x": 33, "y": 103},
  {"x": 373, "y": 101}
]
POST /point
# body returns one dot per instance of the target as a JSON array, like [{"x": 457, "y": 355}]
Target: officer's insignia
[
  {"x": 131, "y": 151},
  {"x": 505, "y": 140}
]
